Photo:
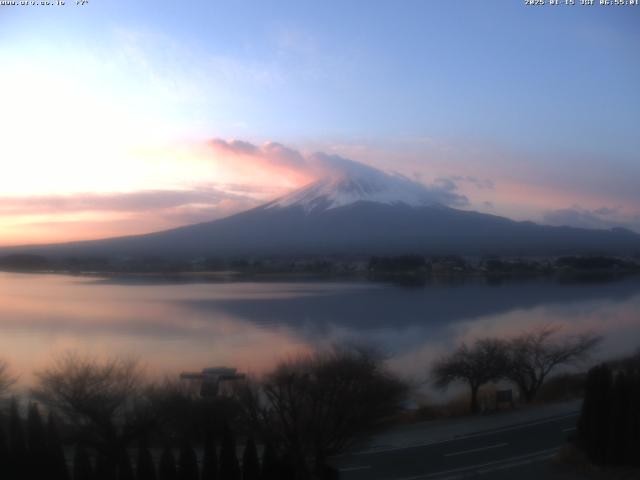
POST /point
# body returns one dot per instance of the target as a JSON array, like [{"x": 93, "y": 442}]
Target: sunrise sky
[{"x": 122, "y": 117}]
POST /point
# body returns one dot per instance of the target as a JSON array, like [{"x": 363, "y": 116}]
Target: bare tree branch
[
  {"x": 97, "y": 397},
  {"x": 317, "y": 405},
  {"x": 485, "y": 361},
  {"x": 535, "y": 354},
  {"x": 6, "y": 379}
]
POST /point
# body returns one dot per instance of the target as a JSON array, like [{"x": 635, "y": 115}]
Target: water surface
[{"x": 172, "y": 327}]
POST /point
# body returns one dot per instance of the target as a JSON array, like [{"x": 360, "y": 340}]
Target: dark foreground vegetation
[
  {"x": 609, "y": 426},
  {"x": 104, "y": 422}
]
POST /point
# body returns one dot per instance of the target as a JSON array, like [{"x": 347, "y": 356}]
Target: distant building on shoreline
[{"x": 214, "y": 381}]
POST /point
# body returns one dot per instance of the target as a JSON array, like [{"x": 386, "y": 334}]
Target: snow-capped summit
[
  {"x": 346, "y": 182},
  {"x": 353, "y": 209}
]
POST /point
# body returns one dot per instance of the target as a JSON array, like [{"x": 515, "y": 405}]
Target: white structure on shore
[{"x": 211, "y": 379}]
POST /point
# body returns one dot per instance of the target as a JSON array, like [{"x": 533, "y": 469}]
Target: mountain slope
[{"x": 355, "y": 210}]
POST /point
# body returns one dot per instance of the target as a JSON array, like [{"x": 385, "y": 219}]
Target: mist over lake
[{"x": 173, "y": 327}]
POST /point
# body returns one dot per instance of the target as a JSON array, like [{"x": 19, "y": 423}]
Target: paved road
[{"x": 491, "y": 454}]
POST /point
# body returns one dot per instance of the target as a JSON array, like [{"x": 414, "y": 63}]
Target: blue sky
[{"x": 541, "y": 101}]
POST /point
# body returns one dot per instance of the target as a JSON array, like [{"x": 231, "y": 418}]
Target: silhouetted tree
[
  {"x": 5, "y": 465},
  {"x": 618, "y": 419},
  {"x": 18, "y": 464},
  {"x": 229, "y": 468},
  {"x": 250, "y": 462},
  {"x": 485, "y": 361},
  {"x": 125, "y": 470},
  {"x": 146, "y": 469},
  {"x": 57, "y": 462},
  {"x": 187, "y": 462},
  {"x": 593, "y": 425},
  {"x": 96, "y": 397},
  {"x": 105, "y": 468},
  {"x": 37, "y": 443},
  {"x": 167, "y": 469},
  {"x": 609, "y": 424},
  {"x": 633, "y": 445},
  {"x": 317, "y": 405},
  {"x": 270, "y": 463},
  {"x": 209, "y": 460},
  {"x": 82, "y": 468},
  {"x": 534, "y": 355},
  {"x": 633, "y": 433},
  {"x": 6, "y": 380},
  {"x": 289, "y": 469},
  {"x": 182, "y": 413}
]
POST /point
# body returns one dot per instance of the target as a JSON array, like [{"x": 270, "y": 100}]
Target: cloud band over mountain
[{"x": 321, "y": 165}]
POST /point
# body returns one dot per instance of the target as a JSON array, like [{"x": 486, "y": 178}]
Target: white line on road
[
  {"x": 571, "y": 429},
  {"x": 518, "y": 463},
  {"x": 489, "y": 466},
  {"x": 353, "y": 469},
  {"x": 374, "y": 451},
  {"x": 497, "y": 445}
]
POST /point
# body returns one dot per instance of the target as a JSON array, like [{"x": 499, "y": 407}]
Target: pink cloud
[
  {"x": 56, "y": 218},
  {"x": 143, "y": 200}
]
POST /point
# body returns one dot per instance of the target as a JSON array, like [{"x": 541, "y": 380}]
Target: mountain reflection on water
[{"x": 251, "y": 325}]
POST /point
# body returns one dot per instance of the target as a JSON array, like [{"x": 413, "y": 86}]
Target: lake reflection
[{"x": 251, "y": 325}]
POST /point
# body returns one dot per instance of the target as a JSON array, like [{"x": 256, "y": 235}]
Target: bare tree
[
  {"x": 534, "y": 355},
  {"x": 318, "y": 405},
  {"x": 483, "y": 362},
  {"x": 179, "y": 410},
  {"x": 6, "y": 379},
  {"x": 97, "y": 397}
]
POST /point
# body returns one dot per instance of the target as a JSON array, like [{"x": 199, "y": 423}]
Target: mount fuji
[
  {"x": 355, "y": 210},
  {"x": 354, "y": 182}
]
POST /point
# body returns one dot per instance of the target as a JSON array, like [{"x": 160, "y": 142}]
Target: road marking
[
  {"x": 463, "y": 437},
  {"x": 569, "y": 429},
  {"x": 353, "y": 469},
  {"x": 489, "y": 466},
  {"x": 497, "y": 445}
]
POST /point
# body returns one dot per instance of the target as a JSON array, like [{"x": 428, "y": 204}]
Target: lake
[{"x": 173, "y": 327}]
